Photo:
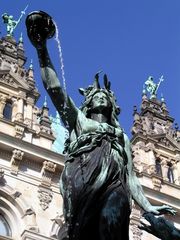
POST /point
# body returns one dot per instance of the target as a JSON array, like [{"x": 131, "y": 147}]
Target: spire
[
  {"x": 164, "y": 106},
  {"x": 45, "y": 121},
  {"x": 176, "y": 126},
  {"x": 21, "y": 38},
  {"x": 144, "y": 93},
  {"x": 31, "y": 65},
  {"x": 162, "y": 98},
  {"x": 20, "y": 52},
  {"x": 30, "y": 75},
  {"x": 45, "y": 102}
]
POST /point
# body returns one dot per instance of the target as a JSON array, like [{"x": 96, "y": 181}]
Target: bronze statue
[
  {"x": 98, "y": 181},
  {"x": 11, "y": 23}
]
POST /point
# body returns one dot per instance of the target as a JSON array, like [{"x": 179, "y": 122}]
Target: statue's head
[
  {"x": 100, "y": 100},
  {"x": 5, "y": 17}
]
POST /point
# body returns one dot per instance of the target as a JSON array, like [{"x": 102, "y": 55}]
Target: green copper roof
[{"x": 60, "y": 133}]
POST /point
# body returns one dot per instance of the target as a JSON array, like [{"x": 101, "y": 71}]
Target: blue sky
[{"x": 127, "y": 39}]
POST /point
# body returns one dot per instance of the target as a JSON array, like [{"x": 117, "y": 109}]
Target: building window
[
  {"x": 4, "y": 227},
  {"x": 158, "y": 167},
  {"x": 170, "y": 173},
  {"x": 7, "y": 113}
]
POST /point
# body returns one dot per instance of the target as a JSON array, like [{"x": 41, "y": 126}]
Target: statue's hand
[{"x": 164, "y": 209}]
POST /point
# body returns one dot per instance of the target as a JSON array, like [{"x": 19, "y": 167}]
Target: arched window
[
  {"x": 170, "y": 173},
  {"x": 7, "y": 113},
  {"x": 158, "y": 167},
  {"x": 4, "y": 227}
]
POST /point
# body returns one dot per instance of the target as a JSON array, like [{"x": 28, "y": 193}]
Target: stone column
[
  {"x": 29, "y": 112},
  {"x": 178, "y": 166},
  {"x": 164, "y": 167},
  {"x": 14, "y": 109},
  {"x": 19, "y": 115},
  {"x": 28, "y": 117},
  {"x": 2, "y": 104},
  {"x": 151, "y": 159},
  {"x": 175, "y": 173}
]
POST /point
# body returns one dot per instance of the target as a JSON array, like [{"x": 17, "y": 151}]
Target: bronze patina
[{"x": 98, "y": 180}]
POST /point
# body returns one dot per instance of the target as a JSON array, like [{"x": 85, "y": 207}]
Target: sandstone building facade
[
  {"x": 30, "y": 202},
  {"x": 156, "y": 156}
]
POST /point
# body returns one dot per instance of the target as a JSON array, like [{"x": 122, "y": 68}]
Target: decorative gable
[
  {"x": 167, "y": 141},
  {"x": 13, "y": 80}
]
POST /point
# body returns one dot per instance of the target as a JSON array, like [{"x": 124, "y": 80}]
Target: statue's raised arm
[{"x": 38, "y": 36}]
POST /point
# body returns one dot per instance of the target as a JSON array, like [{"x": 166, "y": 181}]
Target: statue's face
[{"x": 100, "y": 101}]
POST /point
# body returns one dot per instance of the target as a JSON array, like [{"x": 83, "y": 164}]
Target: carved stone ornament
[
  {"x": 1, "y": 175},
  {"x": 45, "y": 197},
  {"x": 19, "y": 131},
  {"x": 6, "y": 78},
  {"x": 157, "y": 183},
  {"x": 16, "y": 194},
  {"x": 19, "y": 117},
  {"x": 47, "y": 172},
  {"x": 3, "y": 98},
  {"x": 134, "y": 222},
  {"x": 58, "y": 229},
  {"x": 151, "y": 169},
  {"x": 177, "y": 157},
  {"x": 9, "y": 47},
  {"x": 15, "y": 160},
  {"x": 49, "y": 166},
  {"x": 164, "y": 141},
  {"x": 28, "y": 122},
  {"x": 30, "y": 219},
  {"x": 136, "y": 232}
]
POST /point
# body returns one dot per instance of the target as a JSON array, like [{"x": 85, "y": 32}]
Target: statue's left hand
[{"x": 159, "y": 210}]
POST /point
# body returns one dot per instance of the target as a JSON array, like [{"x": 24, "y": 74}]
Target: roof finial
[
  {"x": 31, "y": 65},
  {"x": 45, "y": 102},
  {"x": 162, "y": 98},
  {"x": 144, "y": 90},
  {"x": 21, "y": 38}
]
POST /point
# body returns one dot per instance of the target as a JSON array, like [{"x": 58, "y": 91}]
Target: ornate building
[
  {"x": 30, "y": 202},
  {"x": 156, "y": 155}
]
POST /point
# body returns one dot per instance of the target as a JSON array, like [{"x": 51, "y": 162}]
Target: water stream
[{"x": 57, "y": 39}]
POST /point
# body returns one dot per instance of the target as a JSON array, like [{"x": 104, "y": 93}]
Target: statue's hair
[{"x": 89, "y": 94}]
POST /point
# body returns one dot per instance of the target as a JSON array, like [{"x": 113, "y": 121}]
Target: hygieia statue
[{"x": 98, "y": 181}]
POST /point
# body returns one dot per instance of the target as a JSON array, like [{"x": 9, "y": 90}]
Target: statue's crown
[{"x": 93, "y": 89}]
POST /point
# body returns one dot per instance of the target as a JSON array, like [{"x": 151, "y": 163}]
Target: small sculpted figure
[
  {"x": 151, "y": 86},
  {"x": 160, "y": 227},
  {"x": 98, "y": 180},
  {"x": 11, "y": 23}
]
